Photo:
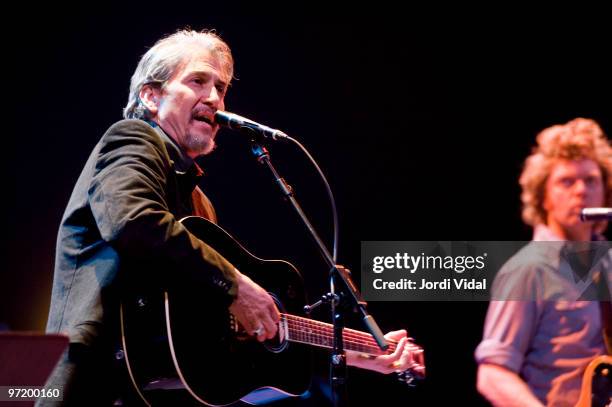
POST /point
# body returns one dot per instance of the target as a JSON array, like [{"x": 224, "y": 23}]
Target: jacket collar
[{"x": 186, "y": 169}]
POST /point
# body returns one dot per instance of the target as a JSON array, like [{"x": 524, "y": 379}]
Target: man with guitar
[
  {"x": 535, "y": 349},
  {"x": 121, "y": 228}
]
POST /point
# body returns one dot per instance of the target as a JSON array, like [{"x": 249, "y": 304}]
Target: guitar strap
[{"x": 202, "y": 206}]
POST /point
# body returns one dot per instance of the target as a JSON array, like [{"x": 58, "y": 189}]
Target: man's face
[
  {"x": 189, "y": 100},
  {"x": 571, "y": 186}
]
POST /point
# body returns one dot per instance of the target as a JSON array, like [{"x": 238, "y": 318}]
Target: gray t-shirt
[{"x": 548, "y": 343}]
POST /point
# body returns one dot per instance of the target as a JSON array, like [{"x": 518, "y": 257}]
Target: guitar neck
[{"x": 321, "y": 334}]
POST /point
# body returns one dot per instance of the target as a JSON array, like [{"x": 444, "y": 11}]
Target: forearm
[{"x": 503, "y": 387}]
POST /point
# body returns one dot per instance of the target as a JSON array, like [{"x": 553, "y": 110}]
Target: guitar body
[{"x": 182, "y": 339}]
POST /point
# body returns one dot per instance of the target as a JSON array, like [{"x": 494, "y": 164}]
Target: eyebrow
[{"x": 208, "y": 74}]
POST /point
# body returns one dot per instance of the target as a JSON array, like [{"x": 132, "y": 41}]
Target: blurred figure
[{"x": 534, "y": 351}]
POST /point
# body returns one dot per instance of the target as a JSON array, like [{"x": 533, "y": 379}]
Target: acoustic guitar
[{"x": 185, "y": 340}]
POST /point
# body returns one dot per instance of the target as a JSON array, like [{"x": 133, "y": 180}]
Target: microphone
[
  {"x": 257, "y": 132},
  {"x": 595, "y": 214}
]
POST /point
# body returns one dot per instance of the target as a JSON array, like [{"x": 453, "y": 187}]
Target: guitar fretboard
[{"x": 317, "y": 333}]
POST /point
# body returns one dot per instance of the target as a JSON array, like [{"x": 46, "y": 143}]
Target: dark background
[{"x": 421, "y": 124}]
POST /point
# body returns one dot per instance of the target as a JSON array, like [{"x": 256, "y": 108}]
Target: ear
[{"x": 150, "y": 98}]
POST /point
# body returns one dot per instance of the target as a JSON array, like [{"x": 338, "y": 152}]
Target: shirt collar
[{"x": 542, "y": 233}]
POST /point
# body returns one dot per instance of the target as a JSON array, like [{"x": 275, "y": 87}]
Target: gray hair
[{"x": 158, "y": 64}]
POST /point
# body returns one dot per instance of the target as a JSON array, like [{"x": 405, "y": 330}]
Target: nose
[
  {"x": 213, "y": 98},
  {"x": 580, "y": 187}
]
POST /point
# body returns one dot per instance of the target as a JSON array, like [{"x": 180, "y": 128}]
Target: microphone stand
[{"x": 343, "y": 294}]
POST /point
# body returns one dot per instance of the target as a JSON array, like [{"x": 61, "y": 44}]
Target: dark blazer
[{"x": 121, "y": 228}]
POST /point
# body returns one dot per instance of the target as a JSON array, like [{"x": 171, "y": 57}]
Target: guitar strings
[
  {"x": 326, "y": 328},
  {"x": 327, "y": 341},
  {"x": 323, "y": 333},
  {"x": 316, "y": 338}
]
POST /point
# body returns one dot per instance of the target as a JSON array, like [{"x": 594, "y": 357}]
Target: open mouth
[{"x": 204, "y": 119}]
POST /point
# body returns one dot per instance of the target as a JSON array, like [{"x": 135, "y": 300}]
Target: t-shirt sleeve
[{"x": 510, "y": 325}]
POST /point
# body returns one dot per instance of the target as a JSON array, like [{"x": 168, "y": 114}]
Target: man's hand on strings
[{"x": 255, "y": 309}]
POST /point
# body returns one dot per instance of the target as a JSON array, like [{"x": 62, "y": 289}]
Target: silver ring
[{"x": 258, "y": 331}]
